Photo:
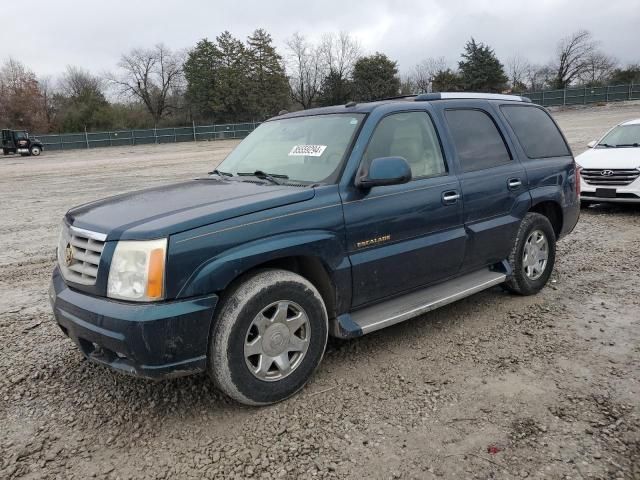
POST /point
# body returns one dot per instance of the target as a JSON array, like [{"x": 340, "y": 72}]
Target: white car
[{"x": 611, "y": 167}]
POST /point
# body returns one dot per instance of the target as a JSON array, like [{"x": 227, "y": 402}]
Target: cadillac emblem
[{"x": 68, "y": 255}]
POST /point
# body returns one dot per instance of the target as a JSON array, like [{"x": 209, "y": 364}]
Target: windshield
[
  {"x": 622, "y": 136},
  {"x": 304, "y": 149},
  {"x": 21, "y": 135}
]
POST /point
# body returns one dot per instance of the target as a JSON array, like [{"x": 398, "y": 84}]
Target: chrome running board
[{"x": 399, "y": 309}]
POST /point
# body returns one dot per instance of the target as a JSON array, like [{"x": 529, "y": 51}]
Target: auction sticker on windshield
[{"x": 307, "y": 150}]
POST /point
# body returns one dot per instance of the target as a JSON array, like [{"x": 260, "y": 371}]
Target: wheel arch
[{"x": 553, "y": 212}]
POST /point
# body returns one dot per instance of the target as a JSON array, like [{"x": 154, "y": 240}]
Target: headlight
[{"x": 137, "y": 270}]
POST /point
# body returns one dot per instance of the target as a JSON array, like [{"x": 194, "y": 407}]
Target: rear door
[
  {"x": 404, "y": 236},
  {"x": 493, "y": 183}
]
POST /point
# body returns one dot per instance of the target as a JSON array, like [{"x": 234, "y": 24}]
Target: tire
[
  {"x": 525, "y": 279},
  {"x": 5, "y": 151},
  {"x": 35, "y": 151},
  {"x": 249, "y": 312},
  {"x": 585, "y": 203}
]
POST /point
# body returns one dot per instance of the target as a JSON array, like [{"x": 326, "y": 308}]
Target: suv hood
[
  {"x": 623, "y": 157},
  {"x": 165, "y": 210}
]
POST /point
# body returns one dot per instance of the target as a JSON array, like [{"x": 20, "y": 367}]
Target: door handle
[
  {"x": 451, "y": 197},
  {"x": 514, "y": 183}
]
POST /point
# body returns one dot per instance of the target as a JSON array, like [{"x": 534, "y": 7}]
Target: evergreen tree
[
  {"x": 232, "y": 101},
  {"x": 446, "y": 81},
  {"x": 268, "y": 84},
  {"x": 375, "y": 77},
  {"x": 480, "y": 69},
  {"x": 201, "y": 72},
  {"x": 335, "y": 90}
]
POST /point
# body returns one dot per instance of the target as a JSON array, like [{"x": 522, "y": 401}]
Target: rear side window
[
  {"x": 536, "y": 132},
  {"x": 477, "y": 139}
]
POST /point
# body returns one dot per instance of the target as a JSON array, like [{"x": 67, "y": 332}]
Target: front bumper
[
  {"x": 151, "y": 340},
  {"x": 623, "y": 193}
]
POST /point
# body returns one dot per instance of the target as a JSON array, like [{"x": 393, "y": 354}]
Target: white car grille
[
  {"x": 609, "y": 176},
  {"x": 79, "y": 253}
]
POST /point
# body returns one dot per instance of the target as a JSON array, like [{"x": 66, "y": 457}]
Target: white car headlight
[{"x": 137, "y": 270}]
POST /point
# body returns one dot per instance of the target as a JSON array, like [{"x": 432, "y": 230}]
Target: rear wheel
[
  {"x": 533, "y": 255},
  {"x": 5, "y": 151},
  {"x": 35, "y": 151},
  {"x": 268, "y": 338}
]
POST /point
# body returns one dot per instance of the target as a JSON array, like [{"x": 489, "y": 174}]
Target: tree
[
  {"x": 268, "y": 84},
  {"x": 339, "y": 53},
  {"x": 335, "y": 90},
  {"x": 21, "y": 102},
  {"x": 81, "y": 102},
  {"x": 231, "y": 100},
  {"x": 201, "y": 73},
  {"x": 305, "y": 71},
  {"x": 598, "y": 69},
  {"x": 539, "y": 77},
  {"x": 517, "y": 69},
  {"x": 480, "y": 69},
  {"x": 424, "y": 72},
  {"x": 447, "y": 81},
  {"x": 375, "y": 77},
  {"x": 572, "y": 54},
  {"x": 150, "y": 76},
  {"x": 623, "y": 76}
]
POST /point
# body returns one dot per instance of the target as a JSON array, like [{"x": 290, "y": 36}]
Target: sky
[{"x": 93, "y": 34}]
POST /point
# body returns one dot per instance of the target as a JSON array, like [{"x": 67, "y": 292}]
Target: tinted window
[
  {"x": 536, "y": 132},
  {"x": 409, "y": 135},
  {"x": 477, "y": 139}
]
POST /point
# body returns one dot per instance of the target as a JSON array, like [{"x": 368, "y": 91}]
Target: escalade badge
[
  {"x": 606, "y": 173},
  {"x": 68, "y": 255}
]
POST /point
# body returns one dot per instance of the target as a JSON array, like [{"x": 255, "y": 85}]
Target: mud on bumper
[{"x": 152, "y": 340}]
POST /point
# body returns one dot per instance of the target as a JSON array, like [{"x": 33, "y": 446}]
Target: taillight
[{"x": 578, "y": 168}]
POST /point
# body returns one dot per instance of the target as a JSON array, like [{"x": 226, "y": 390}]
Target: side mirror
[
  {"x": 385, "y": 171},
  {"x": 592, "y": 143}
]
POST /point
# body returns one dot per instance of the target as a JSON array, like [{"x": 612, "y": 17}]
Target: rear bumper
[{"x": 153, "y": 340}]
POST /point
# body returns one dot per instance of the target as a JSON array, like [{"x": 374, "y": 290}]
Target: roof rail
[{"x": 424, "y": 97}]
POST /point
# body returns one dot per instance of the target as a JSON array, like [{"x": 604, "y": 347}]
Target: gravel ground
[{"x": 495, "y": 386}]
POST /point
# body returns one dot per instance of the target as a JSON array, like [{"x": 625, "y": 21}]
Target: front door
[
  {"x": 494, "y": 186},
  {"x": 404, "y": 236}
]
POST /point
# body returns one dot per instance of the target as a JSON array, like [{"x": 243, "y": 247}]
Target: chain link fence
[
  {"x": 585, "y": 95},
  {"x": 71, "y": 141}
]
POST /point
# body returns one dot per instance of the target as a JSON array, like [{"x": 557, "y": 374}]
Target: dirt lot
[{"x": 495, "y": 386}]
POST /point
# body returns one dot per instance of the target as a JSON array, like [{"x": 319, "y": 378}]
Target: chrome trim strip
[{"x": 101, "y": 237}]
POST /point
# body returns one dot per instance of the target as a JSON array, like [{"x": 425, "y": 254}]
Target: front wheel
[
  {"x": 268, "y": 337},
  {"x": 533, "y": 255},
  {"x": 35, "y": 151}
]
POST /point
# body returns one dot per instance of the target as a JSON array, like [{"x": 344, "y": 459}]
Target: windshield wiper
[
  {"x": 221, "y": 174},
  {"x": 627, "y": 144},
  {"x": 606, "y": 145},
  {"x": 264, "y": 176}
]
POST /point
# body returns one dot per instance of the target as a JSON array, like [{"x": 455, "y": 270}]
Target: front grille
[
  {"x": 609, "y": 176},
  {"x": 79, "y": 253}
]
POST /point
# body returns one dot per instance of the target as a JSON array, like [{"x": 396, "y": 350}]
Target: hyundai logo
[{"x": 606, "y": 173}]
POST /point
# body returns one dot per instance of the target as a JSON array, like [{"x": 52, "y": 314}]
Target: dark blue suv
[{"x": 332, "y": 221}]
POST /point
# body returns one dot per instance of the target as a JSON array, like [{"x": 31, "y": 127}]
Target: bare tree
[
  {"x": 339, "y": 53},
  {"x": 47, "y": 93},
  {"x": 572, "y": 57},
  {"x": 598, "y": 69},
  {"x": 305, "y": 70},
  {"x": 424, "y": 73},
  {"x": 517, "y": 68},
  {"x": 77, "y": 82},
  {"x": 151, "y": 76}
]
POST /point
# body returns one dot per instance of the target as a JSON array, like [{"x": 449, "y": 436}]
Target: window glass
[
  {"x": 477, "y": 139},
  {"x": 305, "y": 149},
  {"x": 536, "y": 132},
  {"x": 622, "y": 136},
  {"x": 409, "y": 135}
]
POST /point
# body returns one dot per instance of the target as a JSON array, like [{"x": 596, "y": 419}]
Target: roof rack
[{"x": 424, "y": 97}]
